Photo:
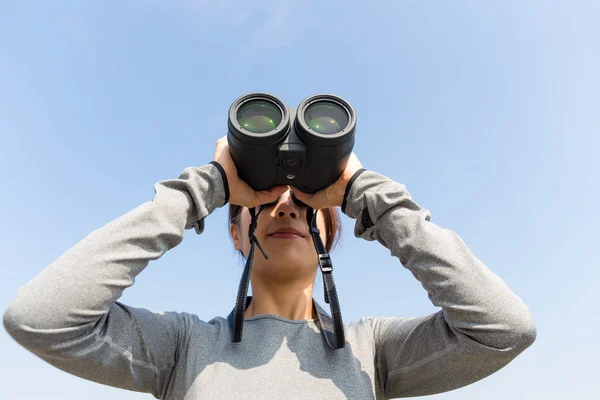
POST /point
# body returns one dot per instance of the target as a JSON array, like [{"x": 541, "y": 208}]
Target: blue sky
[{"x": 487, "y": 112}]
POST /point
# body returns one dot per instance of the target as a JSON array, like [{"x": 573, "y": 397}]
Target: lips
[{"x": 287, "y": 233}]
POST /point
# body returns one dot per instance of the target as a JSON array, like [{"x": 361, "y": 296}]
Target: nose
[{"x": 286, "y": 206}]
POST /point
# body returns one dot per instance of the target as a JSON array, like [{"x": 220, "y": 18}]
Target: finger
[{"x": 221, "y": 142}]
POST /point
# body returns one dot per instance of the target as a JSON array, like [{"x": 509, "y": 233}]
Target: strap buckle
[{"x": 325, "y": 263}]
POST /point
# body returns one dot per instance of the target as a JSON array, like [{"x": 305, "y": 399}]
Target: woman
[{"x": 69, "y": 314}]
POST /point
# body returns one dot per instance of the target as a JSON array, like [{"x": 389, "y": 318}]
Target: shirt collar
[{"x": 325, "y": 321}]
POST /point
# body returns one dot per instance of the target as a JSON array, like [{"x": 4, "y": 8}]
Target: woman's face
[{"x": 283, "y": 233}]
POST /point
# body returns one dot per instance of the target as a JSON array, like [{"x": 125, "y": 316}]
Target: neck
[{"x": 291, "y": 301}]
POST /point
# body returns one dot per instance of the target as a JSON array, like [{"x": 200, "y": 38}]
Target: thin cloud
[
  {"x": 268, "y": 24},
  {"x": 276, "y": 31}
]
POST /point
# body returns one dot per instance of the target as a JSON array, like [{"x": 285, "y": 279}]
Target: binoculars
[{"x": 306, "y": 147}]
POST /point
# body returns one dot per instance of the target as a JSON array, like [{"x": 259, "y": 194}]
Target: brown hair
[{"x": 333, "y": 223}]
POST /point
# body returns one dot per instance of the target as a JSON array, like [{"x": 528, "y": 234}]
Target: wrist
[
  {"x": 349, "y": 187},
  {"x": 221, "y": 170}
]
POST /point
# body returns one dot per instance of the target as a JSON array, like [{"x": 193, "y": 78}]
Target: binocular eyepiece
[{"x": 306, "y": 147}]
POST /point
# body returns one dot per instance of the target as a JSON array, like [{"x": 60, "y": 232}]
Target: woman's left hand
[{"x": 333, "y": 195}]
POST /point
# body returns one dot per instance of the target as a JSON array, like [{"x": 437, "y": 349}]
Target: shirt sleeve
[
  {"x": 69, "y": 314},
  {"x": 482, "y": 324}
]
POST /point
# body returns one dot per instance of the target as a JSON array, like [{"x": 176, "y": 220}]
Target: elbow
[
  {"x": 514, "y": 328},
  {"x": 29, "y": 331},
  {"x": 15, "y": 320},
  {"x": 25, "y": 315},
  {"x": 12, "y": 323},
  {"x": 519, "y": 329},
  {"x": 22, "y": 323},
  {"x": 508, "y": 336},
  {"x": 524, "y": 332},
  {"x": 514, "y": 335}
]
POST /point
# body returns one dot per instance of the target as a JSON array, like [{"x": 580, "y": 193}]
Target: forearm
[
  {"x": 474, "y": 300},
  {"x": 79, "y": 287}
]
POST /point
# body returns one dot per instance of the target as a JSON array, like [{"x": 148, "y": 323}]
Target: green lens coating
[
  {"x": 259, "y": 116},
  {"x": 326, "y": 117}
]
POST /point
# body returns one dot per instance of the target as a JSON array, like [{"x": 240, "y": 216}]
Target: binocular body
[{"x": 306, "y": 147}]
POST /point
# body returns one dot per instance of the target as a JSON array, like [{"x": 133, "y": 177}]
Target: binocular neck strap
[
  {"x": 326, "y": 269},
  {"x": 329, "y": 290},
  {"x": 240, "y": 303}
]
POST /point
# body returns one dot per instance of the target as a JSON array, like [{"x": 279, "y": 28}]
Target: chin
[
  {"x": 291, "y": 262},
  {"x": 287, "y": 259}
]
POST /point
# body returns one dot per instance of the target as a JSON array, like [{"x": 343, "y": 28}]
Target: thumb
[
  {"x": 269, "y": 195},
  {"x": 313, "y": 200},
  {"x": 300, "y": 195}
]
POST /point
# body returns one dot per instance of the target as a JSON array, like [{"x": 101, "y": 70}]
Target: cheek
[{"x": 243, "y": 231}]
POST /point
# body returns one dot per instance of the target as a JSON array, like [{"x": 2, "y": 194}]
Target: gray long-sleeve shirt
[{"x": 70, "y": 316}]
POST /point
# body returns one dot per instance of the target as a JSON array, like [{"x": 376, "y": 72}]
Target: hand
[
  {"x": 333, "y": 195},
  {"x": 240, "y": 192}
]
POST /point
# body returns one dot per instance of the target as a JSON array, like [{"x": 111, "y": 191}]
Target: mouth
[{"x": 287, "y": 233}]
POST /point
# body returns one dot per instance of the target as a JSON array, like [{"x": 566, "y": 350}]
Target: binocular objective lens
[
  {"x": 326, "y": 117},
  {"x": 259, "y": 116}
]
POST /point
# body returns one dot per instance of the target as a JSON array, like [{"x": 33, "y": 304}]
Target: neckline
[
  {"x": 279, "y": 318},
  {"x": 324, "y": 323}
]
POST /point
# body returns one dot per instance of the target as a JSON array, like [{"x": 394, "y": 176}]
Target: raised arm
[
  {"x": 69, "y": 314},
  {"x": 482, "y": 324}
]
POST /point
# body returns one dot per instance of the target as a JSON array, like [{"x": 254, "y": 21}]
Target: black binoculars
[{"x": 306, "y": 147}]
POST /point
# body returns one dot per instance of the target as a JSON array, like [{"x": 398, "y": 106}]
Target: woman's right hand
[{"x": 240, "y": 192}]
